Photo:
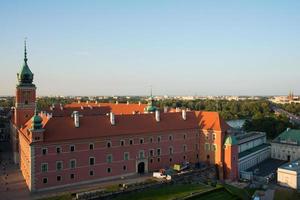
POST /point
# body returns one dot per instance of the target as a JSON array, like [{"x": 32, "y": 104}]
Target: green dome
[
  {"x": 230, "y": 140},
  {"x": 25, "y": 77},
  {"x": 37, "y": 121},
  {"x": 150, "y": 107}
]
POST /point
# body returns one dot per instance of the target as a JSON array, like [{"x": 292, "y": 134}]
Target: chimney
[
  {"x": 81, "y": 107},
  {"x": 183, "y": 114},
  {"x": 127, "y": 102},
  {"x": 87, "y": 102},
  {"x": 117, "y": 102},
  {"x": 165, "y": 109},
  {"x": 96, "y": 102},
  {"x": 76, "y": 118},
  {"x": 157, "y": 115},
  {"x": 139, "y": 103},
  {"x": 112, "y": 118},
  {"x": 78, "y": 101}
]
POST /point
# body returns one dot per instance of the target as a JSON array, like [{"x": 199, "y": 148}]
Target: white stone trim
[
  {"x": 32, "y": 168},
  {"x": 84, "y": 182}
]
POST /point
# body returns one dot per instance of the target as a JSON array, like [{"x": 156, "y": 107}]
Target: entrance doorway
[
  {"x": 141, "y": 168},
  {"x": 288, "y": 158}
]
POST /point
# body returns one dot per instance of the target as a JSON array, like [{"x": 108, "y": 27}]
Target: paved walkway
[{"x": 12, "y": 184}]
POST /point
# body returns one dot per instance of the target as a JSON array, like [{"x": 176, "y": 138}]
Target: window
[
  {"x": 58, "y": 149},
  {"x": 131, "y": 142},
  {"x": 108, "y": 144},
  {"x": 207, "y": 147},
  {"x": 170, "y": 159},
  {"x": 58, "y": 178},
  {"x": 91, "y": 173},
  {"x": 26, "y": 102},
  {"x": 207, "y": 136},
  {"x": 214, "y": 147},
  {"x": 122, "y": 143},
  {"x": 91, "y": 146},
  {"x": 59, "y": 165},
  {"x": 170, "y": 150},
  {"x": 108, "y": 170},
  {"x": 72, "y": 176},
  {"x": 158, "y": 138},
  {"x": 141, "y": 141},
  {"x": 151, "y": 160},
  {"x": 72, "y": 148},
  {"x": 151, "y": 139},
  {"x": 170, "y": 137},
  {"x": 184, "y": 157},
  {"x": 109, "y": 158},
  {"x": 184, "y": 148},
  {"x": 92, "y": 160},
  {"x": 44, "y": 167},
  {"x": 197, "y": 146},
  {"x": 44, "y": 151},
  {"x": 158, "y": 159},
  {"x": 45, "y": 180},
  {"x": 184, "y": 136},
  {"x": 151, "y": 152},
  {"x": 73, "y": 164},
  {"x": 126, "y": 155},
  {"x": 214, "y": 136},
  {"x": 158, "y": 152},
  {"x": 141, "y": 154},
  {"x": 124, "y": 168}
]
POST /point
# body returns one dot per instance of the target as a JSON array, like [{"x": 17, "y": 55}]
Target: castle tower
[
  {"x": 25, "y": 94},
  {"x": 231, "y": 158},
  {"x": 24, "y": 104}
]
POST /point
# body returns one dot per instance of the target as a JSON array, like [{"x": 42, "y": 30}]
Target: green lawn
[
  {"x": 61, "y": 197},
  {"x": 286, "y": 194},
  {"x": 219, "y": 194},
  {"x": 166, "y": 192}
]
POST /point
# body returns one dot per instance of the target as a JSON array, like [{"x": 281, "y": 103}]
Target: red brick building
[{"x": 88, "y": 142}]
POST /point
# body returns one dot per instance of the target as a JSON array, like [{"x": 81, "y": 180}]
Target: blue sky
[{"x": 179, "y": 47}]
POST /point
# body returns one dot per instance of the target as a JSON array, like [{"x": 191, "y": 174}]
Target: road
[{"x": 293, "y": 118}]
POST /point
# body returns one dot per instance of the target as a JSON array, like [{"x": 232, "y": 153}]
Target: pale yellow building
[{"x": 289, "y": 175}]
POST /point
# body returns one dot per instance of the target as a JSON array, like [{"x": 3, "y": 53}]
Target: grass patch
[
  {"x": 286, "y": 194},
  {"x": 60, "y": 197},
  {"x": 166, "y": 192},
  {"x": 218, "y": 194},
  {"x": 241, "y": 193}
]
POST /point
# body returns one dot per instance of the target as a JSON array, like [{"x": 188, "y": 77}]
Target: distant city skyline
[{"x": 179, "y": 47}]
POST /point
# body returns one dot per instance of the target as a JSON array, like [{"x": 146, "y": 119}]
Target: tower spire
[{"x": 25, "y": 50}]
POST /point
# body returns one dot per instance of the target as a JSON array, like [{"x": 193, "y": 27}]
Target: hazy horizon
[{"x": 104, "y": 48}]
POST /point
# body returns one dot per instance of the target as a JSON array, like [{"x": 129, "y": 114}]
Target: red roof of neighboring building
[{"x": 95, "y": 126}]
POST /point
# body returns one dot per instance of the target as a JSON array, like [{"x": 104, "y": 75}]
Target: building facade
[
  {"x": 288, "y": 175},
  {"x": 75, "y": 144},
  {"x": 253, "y": 149},
  {"x": 287, "y": 145}
]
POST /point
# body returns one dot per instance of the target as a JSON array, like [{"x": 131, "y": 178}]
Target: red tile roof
[
  {"x": 97, "y": 108},
  {"x": 95, "y": 126}
]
